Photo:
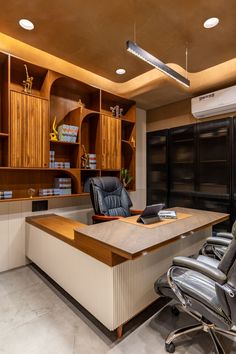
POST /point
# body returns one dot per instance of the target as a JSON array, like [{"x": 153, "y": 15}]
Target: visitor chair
[{"x": 205, "y": 292}]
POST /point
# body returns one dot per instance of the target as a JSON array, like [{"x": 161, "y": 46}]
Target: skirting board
[{"x": 111, "y": 294}]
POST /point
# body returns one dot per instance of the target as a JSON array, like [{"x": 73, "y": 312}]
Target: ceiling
[{"x": 93, "y": 35}]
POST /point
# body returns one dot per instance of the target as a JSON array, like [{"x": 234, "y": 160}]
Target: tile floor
[{"x": 37, "y": 319}]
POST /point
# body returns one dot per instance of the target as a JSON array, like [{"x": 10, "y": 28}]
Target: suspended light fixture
[{"x": 133, "y": 48}]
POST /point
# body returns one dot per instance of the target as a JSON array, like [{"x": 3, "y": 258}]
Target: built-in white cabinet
[{"x": 12, "y": 235}]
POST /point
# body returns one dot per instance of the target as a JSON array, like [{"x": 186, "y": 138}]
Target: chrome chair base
[{"x": 206, "y": 327}]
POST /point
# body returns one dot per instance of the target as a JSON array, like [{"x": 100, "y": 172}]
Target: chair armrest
[
  {"x": 136, "y": 211},
  {"x": 205, "y": 269},
  {"x": 227, "y": 235},
  {"x": 105, "y": 218},
  {"x": 218, "y": 241}
]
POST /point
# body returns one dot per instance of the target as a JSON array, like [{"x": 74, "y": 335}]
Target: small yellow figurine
[
  {"x": 54, "y": 135},
  {"x": 81, "y": 105}
]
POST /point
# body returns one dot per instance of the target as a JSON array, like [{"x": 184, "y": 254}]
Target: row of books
[
  {"x": 62, "y": 186},
  {"x": 5, "y": 194}
]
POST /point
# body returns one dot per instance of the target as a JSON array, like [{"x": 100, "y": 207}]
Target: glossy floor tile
[{"x": 35, "y": 318}]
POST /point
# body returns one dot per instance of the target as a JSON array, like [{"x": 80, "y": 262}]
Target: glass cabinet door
[
  {"x": 157, "y": 167},
  {"x": 214, "y": 157}
]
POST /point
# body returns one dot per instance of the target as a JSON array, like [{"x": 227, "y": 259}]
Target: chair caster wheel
[
  {"x": 174, "y": 311},
  {"x": 170, "y": 348}
]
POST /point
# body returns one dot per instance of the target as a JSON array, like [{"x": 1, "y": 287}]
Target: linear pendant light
[{"x": 158, "y": 64}]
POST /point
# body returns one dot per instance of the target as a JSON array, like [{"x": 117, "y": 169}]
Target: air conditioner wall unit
[{"x": 214, "y": 103}]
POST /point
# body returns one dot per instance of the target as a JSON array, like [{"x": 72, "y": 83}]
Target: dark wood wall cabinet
[
  {"x": 26, "y": 121},
  {"x": 194, "y": 166}
]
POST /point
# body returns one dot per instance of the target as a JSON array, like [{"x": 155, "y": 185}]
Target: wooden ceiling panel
[{"x": 93, "y": 35}]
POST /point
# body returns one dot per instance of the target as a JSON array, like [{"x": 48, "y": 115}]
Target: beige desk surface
[
  {"x": 114, "y": 242},
  {"x": 129, "y": 240}
]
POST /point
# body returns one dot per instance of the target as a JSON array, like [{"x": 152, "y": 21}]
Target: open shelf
[
  {"x": 18, "y": 75},
  {"x": 109, "y": 100},
  {"x": 62, "y": 142}
]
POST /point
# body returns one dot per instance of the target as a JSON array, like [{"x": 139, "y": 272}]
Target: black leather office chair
[
  {"x": 110, "y": 199},
  {"x": 204, "y": 291}
]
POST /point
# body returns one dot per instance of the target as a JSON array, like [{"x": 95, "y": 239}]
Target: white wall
[{"x": 139, "y": 196}]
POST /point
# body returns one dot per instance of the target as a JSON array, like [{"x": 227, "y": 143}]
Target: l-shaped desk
[{"x": 110, "y": 268}]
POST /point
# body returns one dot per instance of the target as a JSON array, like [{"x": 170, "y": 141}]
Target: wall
[
  {"x": 139, "y": 196},
  {"x": 174, "y": 115},
  {"x": 12, "y": 214}
]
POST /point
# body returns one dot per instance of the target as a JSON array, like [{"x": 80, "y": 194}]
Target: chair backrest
[
  {"x": 109, "y": 197},
  {"x": 228, "y": 266},
  {"x": 230, "y": 255}
]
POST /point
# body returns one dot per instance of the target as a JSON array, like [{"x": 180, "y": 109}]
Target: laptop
[{"x": 150, "y": 214}]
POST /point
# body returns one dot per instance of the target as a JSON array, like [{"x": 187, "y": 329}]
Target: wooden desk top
[
  {"x": 56, "y": 225},
  {"x": 130, "y": 240},
  {"x": 114, "y": 242}
]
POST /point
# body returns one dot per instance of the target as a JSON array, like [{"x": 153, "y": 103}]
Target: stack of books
[
  {"x": 5, "y": 194},
  {"x": 68, "y": 133},
  {"x": 63, "y": 185},
  {"x": 51, "y": 158}
]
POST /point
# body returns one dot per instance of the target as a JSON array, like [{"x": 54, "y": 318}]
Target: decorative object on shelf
[
  {"x": 68, "y": 133},
  {"x": 84, "y": 158},
  {"x": 125, "y": 177},
  {"x": 54, "y": 135},
  {"x": 132, "y": 142},
  {"x": 81, "y": 106},
  {"x": 116, "y": 111},
  {"x": 27, "y": 84},
  {"x": 31, "y": 192}
]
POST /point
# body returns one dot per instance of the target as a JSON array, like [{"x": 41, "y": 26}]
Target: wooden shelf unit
[{"x": 26, "y": 121}]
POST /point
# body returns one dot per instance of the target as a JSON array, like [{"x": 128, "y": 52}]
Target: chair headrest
[{"x": 107, "y": 183}]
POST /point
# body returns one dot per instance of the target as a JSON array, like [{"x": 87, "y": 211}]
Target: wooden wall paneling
[
  {"x": 29, "y": 131},
  {"x": 111, "y": 142}
]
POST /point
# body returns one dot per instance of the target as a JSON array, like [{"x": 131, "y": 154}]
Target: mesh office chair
[
  {"x": 110, "y": 199},
  {"x": 204, "y": 291}
]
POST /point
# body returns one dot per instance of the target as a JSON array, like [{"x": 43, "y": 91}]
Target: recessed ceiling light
[
  {"x": 26, "y": 24},
  {"x": 211, "y": 22},
  {"x": 120, "y": 71}
]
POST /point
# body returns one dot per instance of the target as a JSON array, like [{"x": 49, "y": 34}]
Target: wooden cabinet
[
  {"x": 111, "y": 143},
  {"x": 26, "y": 120},
  {"x": 29, "y": 131},
  {"x": 4, "y": 104}
]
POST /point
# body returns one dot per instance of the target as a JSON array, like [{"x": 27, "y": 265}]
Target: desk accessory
[{"x": 150, "y": 214}]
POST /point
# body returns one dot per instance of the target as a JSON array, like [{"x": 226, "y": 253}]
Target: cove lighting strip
[{"x": 150, "y": 59}]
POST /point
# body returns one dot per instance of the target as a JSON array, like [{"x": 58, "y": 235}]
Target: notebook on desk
[{"x": 150, "y": 214}]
